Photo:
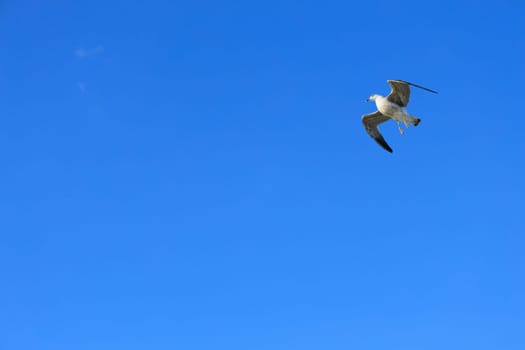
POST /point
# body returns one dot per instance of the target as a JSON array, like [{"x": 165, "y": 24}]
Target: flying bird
[{"x": 391, "y": 107}]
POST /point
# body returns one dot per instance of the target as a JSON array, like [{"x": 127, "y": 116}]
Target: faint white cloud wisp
[{"x": 83, "y": 52}]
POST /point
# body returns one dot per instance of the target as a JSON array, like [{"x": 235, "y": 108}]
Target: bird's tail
[{"x": 415, "y": 121}]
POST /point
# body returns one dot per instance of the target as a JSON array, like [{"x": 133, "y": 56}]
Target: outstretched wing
[
  {"x": 371, "y": 121},
  {"x": 400, "y": 94}
]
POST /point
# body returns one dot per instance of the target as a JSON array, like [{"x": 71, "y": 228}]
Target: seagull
[{"x": 391, "y": 107}]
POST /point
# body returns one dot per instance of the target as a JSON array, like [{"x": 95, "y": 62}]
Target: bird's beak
[{"x": 367, "y": 100}]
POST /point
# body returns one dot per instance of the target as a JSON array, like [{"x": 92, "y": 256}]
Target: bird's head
[{"x": 372, "y": 98}]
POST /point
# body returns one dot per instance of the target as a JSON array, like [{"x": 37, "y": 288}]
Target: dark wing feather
[
  {"x": 370, "y": 122},
  {"x": 400, "y": 94}
]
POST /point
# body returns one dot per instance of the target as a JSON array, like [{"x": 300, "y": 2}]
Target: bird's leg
[{"x": 401, "y": 131}]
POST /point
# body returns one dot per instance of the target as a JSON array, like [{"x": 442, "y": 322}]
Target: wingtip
[{"x": 384, "y": 145}]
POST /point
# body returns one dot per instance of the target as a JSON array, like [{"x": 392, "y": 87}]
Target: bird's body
[
  {"x": 392, "y": 110},
  {"x": 391, "y": 107}
]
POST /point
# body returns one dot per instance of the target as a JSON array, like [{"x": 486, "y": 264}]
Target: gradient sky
[{"x": 195, "y": 175}]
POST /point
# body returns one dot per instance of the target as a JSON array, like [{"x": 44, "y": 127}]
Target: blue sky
[{"x": 195, "y": 175}]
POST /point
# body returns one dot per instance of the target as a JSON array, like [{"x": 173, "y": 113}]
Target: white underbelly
[{"x": 391, "y": 110}]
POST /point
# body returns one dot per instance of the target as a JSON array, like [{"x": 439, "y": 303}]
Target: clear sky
[{"x": 195, "y": 175}]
